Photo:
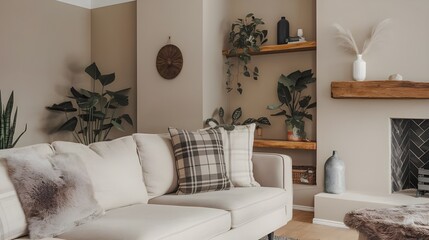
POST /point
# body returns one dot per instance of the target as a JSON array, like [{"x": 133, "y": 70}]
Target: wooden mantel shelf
[
  {"x": 272, "y": 49},
  {"x": 383, "y": 89},
  {"x": 262, "y": 143}
]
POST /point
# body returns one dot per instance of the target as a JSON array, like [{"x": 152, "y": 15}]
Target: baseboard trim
[
  {"x": 329, "y": 223},
  {"x": 303, "y": 208}
]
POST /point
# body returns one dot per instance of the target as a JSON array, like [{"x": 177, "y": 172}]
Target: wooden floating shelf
[
  {"x": 262, "y": 143},
  {"x": 384, "y": 89},
  {"x": 273, "y": 49}
]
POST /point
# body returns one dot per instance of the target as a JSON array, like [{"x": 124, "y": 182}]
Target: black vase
[{"x": 282, "y": 31}]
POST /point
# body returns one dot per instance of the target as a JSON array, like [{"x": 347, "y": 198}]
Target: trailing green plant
[
  {"x": 96, "y": 111},
  {"x": 8, "y": 124},
  {"x": 244, "y": 38},
  {"x": 235, "y": 117},
  {"x": 293, "y": 105}
]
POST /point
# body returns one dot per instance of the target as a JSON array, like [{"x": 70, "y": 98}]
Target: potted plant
[
  {"x": 245, "y": 36},
  {"x": 236, "y": 115},
  {"x": 8, "y": 125},
  {"x": 96, "y": 112},
  {"x": 293, "y": 105}
]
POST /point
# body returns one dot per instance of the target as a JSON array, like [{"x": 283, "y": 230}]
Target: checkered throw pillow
[{"x": 200, "y": 161}]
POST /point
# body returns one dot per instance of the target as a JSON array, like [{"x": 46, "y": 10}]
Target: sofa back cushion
[
  {"x": 158, "y": 163},
  {"x": 114, "y": 170},
  {"x": 12, "y": 218}
]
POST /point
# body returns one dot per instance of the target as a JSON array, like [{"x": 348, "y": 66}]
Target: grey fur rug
[
  {"x": 399, "y": 223},
  {"x": 278, "y": 238}
]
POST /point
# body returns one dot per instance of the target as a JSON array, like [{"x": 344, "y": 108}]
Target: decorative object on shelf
[
  {"x": 293, "y": 105},
  {"x": 97, "y": 111},
  {"x": 283, "y": 31},
  {"x": 348, "y": 42},
  {"x": 169, "y": 61},
  {"x": 304, "y": 175},
  {"x": 359, "y": 68},
  {"x": 335, "y": 175},
  {"x": 236, "y": 115},
  {"x": 8, "y": 125},
  {"x": 300, "y": 34},
  {"x": 396, "y": 77},
  {"x": 244, "y": 37}
]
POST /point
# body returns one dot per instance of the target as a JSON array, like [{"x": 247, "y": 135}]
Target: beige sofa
[{"x": 134, "y": 181}]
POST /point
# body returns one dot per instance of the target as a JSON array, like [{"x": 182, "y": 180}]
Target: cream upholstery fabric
[
  {"x": 238, "y": 150},
  {"x": 244, "y": 204},
  {"x": 158, "y": 164},
  {"x": 154, "y": 222},
  {"x": 275, "y": 170},
  {"x": 114, "y": 170},
  {"x": 12, "y": 218}
]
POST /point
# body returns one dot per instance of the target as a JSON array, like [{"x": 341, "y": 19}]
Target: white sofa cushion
[
  {"x": 12, "y": 219},
  {"x": 158, "y": 163},
  {"x": 153, "y": 222},
  {"x": 238, "y": 150},
  {"x": 244, "y": 204},
  {"x": 114, "y": 169}
]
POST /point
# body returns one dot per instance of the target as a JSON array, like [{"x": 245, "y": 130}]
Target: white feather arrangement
[{"x": 348, "y": 42}]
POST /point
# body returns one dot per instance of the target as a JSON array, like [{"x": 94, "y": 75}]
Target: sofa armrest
[{"x": 274, "y": 170}]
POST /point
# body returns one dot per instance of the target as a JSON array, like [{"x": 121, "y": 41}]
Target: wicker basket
[{"x": 304, "y": 175}]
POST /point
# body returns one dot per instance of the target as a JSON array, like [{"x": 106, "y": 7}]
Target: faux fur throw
[
  {"x": 406, "y": 222},
  {"x": 56, "y": 194}
]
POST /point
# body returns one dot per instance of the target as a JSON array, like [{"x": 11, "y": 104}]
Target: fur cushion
[
  {"x": 399, "y": 223},
  {"x": 56, "y": 194}
]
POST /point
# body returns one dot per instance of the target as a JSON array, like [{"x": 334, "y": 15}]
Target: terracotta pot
[{"x": 295, "y": 132}]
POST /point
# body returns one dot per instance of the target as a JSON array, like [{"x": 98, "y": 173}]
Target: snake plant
[{"x": 8, "y": 125}]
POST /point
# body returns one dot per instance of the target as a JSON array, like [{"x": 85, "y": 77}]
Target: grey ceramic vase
[{"x": 335, "y": 175}]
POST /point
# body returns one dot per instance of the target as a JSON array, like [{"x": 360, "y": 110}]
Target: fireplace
[{"x": 409, "y": 152}]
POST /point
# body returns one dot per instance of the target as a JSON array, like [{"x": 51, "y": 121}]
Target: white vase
[{"x": 359, "y": 69}]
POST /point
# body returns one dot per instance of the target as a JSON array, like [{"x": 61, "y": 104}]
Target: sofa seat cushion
[
  {"x": 244, "y": 204},
  {"x": 153, "y": 222}
]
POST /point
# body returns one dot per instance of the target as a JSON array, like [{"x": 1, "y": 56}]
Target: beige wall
[
  {"x": 114, "y": 49},
  {"x": 44, "y": 46},
  {"x": 178, "y": 102},
  {"x": 359, "y": 129},
  {"x": 215, "y": 27}
]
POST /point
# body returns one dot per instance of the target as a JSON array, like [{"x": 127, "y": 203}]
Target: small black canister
[{"x": 282, "y": 31}]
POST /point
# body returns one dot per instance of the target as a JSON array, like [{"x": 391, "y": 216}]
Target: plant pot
[{"x": 295, "y": 130}]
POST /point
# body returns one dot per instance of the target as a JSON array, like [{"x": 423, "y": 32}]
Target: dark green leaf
[
  {"x": 63, "y": 107},
  {"x": 274, "y": 106},
  {"x": 76, "y": 94},
  {"x": 70, "y": 125},
  {"x": 308, "y": 116},
  {"x": 211, "y": 120},
  {"x": 107, "y": 79},
  {"x": 118, "y": 126},
  {"x": 127, "y": 119},
  {"x": 263, "y": 121},
  {"x": 92, "y": 70},
  {"x": 249, "y": 121},
  {"x": 249, "y": 15},
  {"x": 240, "y": 90},
  {"x": 246, "y": 74},
  {"x": 221, "y": 112},
  {"x": 286, "y": 81},
  {"x": 283, "y": 94},
  {"x": 313, "y": 105},
  {"x": 282, "y": 113},
  {"x": 88, "y": 103},
  {"x": 295, "y": 76},
  {"x": 237, "y": 114},
  {"x": 304, "y": 102}
]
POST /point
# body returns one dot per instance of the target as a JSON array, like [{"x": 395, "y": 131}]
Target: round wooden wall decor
[{"x": 169, "y": 61}]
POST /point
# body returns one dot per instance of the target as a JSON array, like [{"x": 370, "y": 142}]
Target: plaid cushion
[{"x": 200, "y": 161}]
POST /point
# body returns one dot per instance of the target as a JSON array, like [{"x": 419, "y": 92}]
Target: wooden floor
[{"x": 301, "y": 228}]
